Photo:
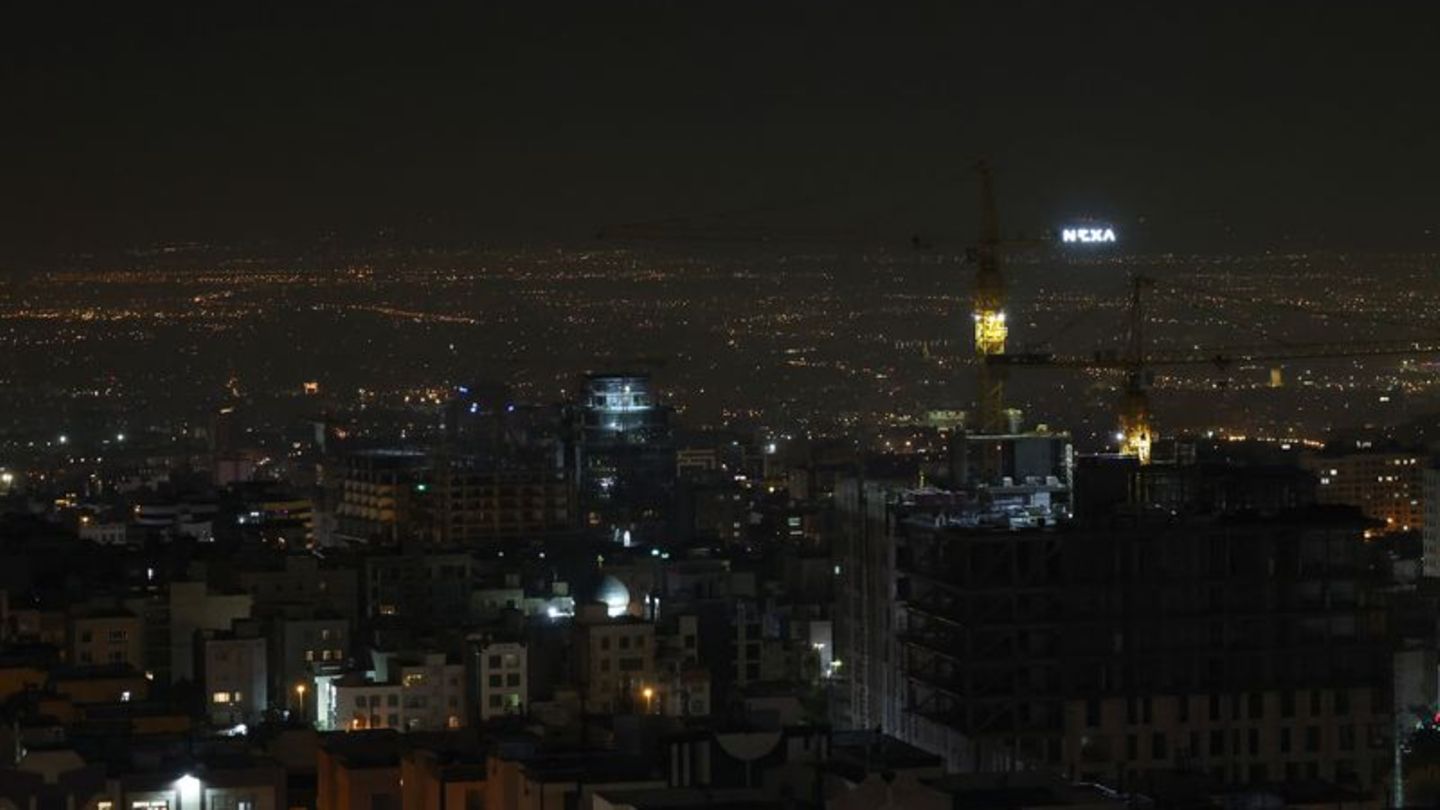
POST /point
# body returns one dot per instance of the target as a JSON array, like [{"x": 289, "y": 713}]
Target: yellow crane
[
  {"x": 987, "y": 306},
  {"x": 1137, "y": 433}
]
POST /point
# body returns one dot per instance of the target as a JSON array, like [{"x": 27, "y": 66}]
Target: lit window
[{"x": 220, "y": 697}]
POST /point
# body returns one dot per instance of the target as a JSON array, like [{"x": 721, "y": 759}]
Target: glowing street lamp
[
  {"x": 649, "y": 695},
  {"x": 300, "y": 693}
]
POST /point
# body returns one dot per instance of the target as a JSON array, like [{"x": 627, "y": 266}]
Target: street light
[
  {"x": 300, "y": 693},
  {"x": 649, "y": 699}
]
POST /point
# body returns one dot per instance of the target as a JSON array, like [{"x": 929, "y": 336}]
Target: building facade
[
  {"x": 236, "y": 678},
  {"x": 502, "y": 685},
  {"x": 1386, "y": 486},
  {"x": 1114, "y": 653},
  {"x": 106, "y": 637},
  {"x": 615, "y": 656}
]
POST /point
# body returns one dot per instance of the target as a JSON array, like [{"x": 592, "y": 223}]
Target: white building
[
  {"x": 188, "y": 519},
  {"x": 503, "y": 678},
  {"x": 236, "y": 679},
  {"x": 433, "y": 691},
  {"x": 424, "y": 693},
  {"x": 354, "y": 702},
  {"x": 105, "y": 534}
]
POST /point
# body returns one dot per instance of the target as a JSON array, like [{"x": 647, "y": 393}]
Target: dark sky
[{"x": 1191, "y": 126}]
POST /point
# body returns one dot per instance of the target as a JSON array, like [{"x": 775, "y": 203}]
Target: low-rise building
[
  {"x": 502, "y": 671},
  {"x": 565, "y": 780},
  {"x": 434, "y": 779},
  {"x": 432, "y": 690},
  {"x": 106, "y": 637},
  {"x": 236, "y": 678},
  {"x": 358, "y": 770},
  {"x": 421, "y": 693},
  {"x": 355, "y": 702},
  {"x": 615, "y": 656}
]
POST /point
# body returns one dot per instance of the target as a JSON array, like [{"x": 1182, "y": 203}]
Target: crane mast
[
  {"x": 1137, "y": 433},
  {"x": 987, "y": 305}
]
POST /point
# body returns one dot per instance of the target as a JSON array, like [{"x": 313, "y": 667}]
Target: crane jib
[{"x": 1217, "y": 357}]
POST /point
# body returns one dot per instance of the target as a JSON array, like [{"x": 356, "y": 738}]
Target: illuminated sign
[{"x": 1087, "y": 235}]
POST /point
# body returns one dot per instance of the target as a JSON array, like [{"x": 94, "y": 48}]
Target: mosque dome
[{"x": 613, "y": 593}]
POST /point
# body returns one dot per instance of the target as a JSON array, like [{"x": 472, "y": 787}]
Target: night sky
[{"x": 1207, "y": 126}]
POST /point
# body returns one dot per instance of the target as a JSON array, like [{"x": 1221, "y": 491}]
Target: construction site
[{"x": 1135, "y": 618}]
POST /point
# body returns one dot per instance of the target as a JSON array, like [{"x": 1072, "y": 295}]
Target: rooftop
[{"x": 874, "y": 750}]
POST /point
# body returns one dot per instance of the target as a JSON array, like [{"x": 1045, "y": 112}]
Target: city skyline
[{"x": 653, "y": 406}]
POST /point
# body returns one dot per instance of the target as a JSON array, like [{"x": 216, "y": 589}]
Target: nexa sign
[{"x": 1087, "y": 235}]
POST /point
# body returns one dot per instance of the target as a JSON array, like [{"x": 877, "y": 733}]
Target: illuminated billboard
[{"x": 1087, "y": 236}]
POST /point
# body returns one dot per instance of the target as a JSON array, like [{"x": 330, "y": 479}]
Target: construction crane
[
  {"x": 1137, "y": 430},
  {"x": 987, "y": 307},
  {"x": 1137, "y": 433}
]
